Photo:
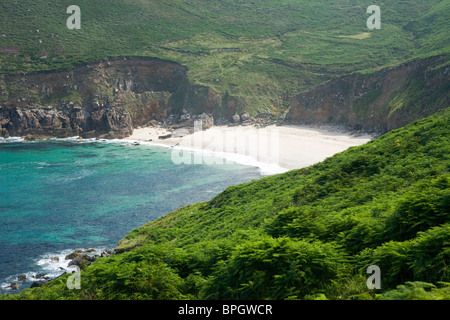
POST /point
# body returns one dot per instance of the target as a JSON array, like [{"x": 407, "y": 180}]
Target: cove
[{"x": 61, "y": 195}]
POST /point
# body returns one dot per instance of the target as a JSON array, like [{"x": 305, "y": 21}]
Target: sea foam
[{"x": 47, "y": 266}]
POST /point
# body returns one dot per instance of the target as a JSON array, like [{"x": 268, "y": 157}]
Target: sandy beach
[{"x": 275, "y": 148}]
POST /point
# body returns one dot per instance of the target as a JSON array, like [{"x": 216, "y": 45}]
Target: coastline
[
  {"x": 52, "y": 265},
  {"x": 275, "y": 149}
]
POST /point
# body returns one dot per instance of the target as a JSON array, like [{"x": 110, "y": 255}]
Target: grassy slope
[
  {"x": 257, "y": 50},
  {"x": 308, "y": 233}
]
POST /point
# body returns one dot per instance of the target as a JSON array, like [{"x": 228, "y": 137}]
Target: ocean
[{"x": 60, "y": 195}]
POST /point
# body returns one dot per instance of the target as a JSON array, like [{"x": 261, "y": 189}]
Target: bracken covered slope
[{"x": 305, "y": 234}]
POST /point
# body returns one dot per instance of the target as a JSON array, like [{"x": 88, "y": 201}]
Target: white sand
[{"x": 277, "y": 148}]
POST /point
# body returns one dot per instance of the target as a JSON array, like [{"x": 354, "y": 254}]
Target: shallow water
[{"x": 60, "y": 195}]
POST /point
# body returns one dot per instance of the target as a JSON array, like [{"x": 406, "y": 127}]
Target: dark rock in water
[
  {"x": 74, "y": 254},
  {"x": 82, "y": 259},
  {"x": 54, "y": 259},
  {"x": 79, "y": 260},
  {"x": 14, "y": 285},
  {"x": 22, "y": 278},
  {"x": 40, "y": 283}
]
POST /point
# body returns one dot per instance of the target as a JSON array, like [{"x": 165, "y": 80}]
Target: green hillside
[
  {"x": 256, "y": 50},
  {"x": 305, "y": 234}
]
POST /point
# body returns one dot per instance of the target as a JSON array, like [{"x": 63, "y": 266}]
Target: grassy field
[{"x": 257, "y": 50}]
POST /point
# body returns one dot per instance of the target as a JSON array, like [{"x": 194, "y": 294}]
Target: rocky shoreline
[
  {"x": 109, "y": 99},
  {"x": 188, "y": 123},
  {"x": 39, "y": 124},
  {"x": 79, "y": 258}
]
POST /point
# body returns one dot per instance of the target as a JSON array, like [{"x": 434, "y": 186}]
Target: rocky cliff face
[
  {"x": 379, "y": 102},
  {"x": 37, "y": 123},
  {"x": 106, "y": 99},
  {"x": 109, "y": 98}
]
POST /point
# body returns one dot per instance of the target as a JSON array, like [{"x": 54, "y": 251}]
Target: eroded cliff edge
[
  {"x": 104, "y": 99},
  {"x": 381, "y": 101},
  {"x": 108, "y": 99}
]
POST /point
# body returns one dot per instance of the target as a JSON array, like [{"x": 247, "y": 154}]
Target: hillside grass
[
  {"x": 257, "y": 50},
  {"x": 305, "y": 234}
]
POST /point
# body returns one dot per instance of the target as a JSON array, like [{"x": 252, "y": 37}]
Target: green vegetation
[
  {"x": 305, "y": 234},
  {"x": 255, "y": 50}
]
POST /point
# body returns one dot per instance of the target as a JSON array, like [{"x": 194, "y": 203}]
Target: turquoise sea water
[{"x": 60, "y": 195}]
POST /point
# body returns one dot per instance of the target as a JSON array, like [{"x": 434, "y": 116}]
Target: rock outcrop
[
  {"x": 79, "y": 258},
  {"x": 110, "y": 98},
  {"x": 379, "y": 102},
  {"x": 106, "y": 99},
  {"x": 82, "y": 258},
  {"x": 76, "y": 121}
]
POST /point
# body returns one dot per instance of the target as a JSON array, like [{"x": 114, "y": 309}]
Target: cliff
[
  {"x": 381, "y": 101},
  {"x": 109, "y": 98},
  {"x": 106, "y": 99}
]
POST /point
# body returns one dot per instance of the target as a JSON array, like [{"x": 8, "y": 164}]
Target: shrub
[{"x": 268, "y": 268}]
